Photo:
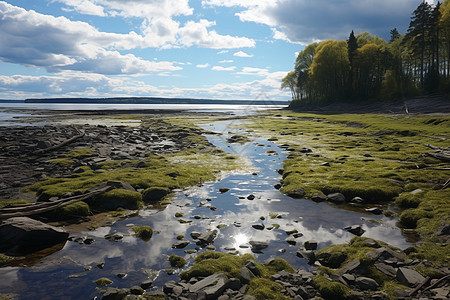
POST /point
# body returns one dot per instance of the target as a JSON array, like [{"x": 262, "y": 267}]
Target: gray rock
[
  {"x": 350, "y": 267},
  {"x": 251, "y": 265},
  {"x": 114, "y": 294},
  {"x": 180, "y": 244},
  {"x": 258, "y": 226},
  {"x": 257, "y": 245},
  {"x": 441, "y": 293},
  {"x": 307, "y": 254},
  {"x": 331, "y": 260},
  {"x": 298, "y": 193},
  {"x": 374, "y": 210},
  {"x": 23, "y": 235},
  {"x": 207, "y": 237},
  {"x": 310, "y": 245},
  {"x": 337, "y": 198},
  {"x": 409, "y": 277},
  {"x": 357, "y": 200},
  {"x": 349, "y": 278},
  {"x": 246, "y": 275},
  {"x": 366, "y": 283},
  {"x": 385, "y": 253},
  {"x": 114, "y": 237},
  {"x": 318, "y": 197},
  {"x": 146, "y": 284},
  {"x": 169, "y": 286},
  {"x": 213, "y": 285},
  {"x": 195, "y": 234},
  {"x": 355, "y": 229},
  {"x": 136, "y": 290},
  {"x": 251, "y": 197},
  {"x": 386, "y": 269}
]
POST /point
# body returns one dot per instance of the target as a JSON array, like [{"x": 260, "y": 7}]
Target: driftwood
[
  {"x": 443, "y": 279},
  {"x": 80, "y": 135},
  {"x": 41, "y": 207}
]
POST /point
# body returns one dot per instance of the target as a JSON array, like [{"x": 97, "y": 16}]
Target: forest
[{"x": 367, "y": 68}]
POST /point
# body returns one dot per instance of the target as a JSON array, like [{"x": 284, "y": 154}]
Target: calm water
[{"x": 62, "y": 275}]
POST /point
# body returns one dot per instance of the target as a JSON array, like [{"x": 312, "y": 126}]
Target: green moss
[
  {"x": 273, "y": 215},
  {"x": 238, "y": 138},
  {"x": 429, "y": 272},
  {"x": 179, "y": 215},
  {"x": 5, "y": 259},
  {"x": 103, "y": 281},
  {"x": 262, "y": 288},
  {"x": 408, "y": 200},
  {"x": 410, "y": 218},
  {"x": 278, "y": 264},
  {"x": 177, "y": 261},
  {"x": 210, "y": 262},
  {"x": 438, "y": 253},
  {"x": 289, "y": 232},
  {"x": 78, "y": 153},
  {"x": 329, "y": 289},
  {"x": 74, "y": 210},
  {"x": 117, "y": 198},
  {"x": 65, "y": 162},
  {"x": 154, "y": 194},
  {"x": 391, "y": 287},
  {"x": 4, "y": 203},
  {"x": 143, "y": 232},
  {"x": 190, "y": 251}
]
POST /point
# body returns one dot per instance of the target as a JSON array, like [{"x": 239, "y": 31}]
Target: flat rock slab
[
  {"x": 212, "y": 285},
  {"x": 409, "y": 277},
  {"x": 23, "y": 235}
]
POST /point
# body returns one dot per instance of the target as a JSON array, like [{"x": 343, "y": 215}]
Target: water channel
[{"x": 69, "y": 273}]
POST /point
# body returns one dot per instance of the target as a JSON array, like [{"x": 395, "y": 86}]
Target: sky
[{"x": 216, "y": 49}]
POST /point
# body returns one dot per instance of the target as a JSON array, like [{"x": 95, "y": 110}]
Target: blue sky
[{"x": 219, "y": 49}]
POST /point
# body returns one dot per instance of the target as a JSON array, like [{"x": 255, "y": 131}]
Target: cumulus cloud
[
  {"x": 159, "y": 27},
  {"x": 202, "y": 66},
  {"x": 304, "y": 21},
  {"x": 254, "y": 71},
  {"x": 242, "y": 54},
  {"x": 33, "y": 39}
]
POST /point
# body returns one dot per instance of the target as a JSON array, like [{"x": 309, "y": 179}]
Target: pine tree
[
  {"x": 394, "y": 35},
  {"x": 352, "y": 47}
]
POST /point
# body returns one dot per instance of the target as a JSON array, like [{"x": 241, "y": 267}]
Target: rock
[
  {"x": 374, "y": 210},
  {"x": 310, "y": 245},
  {"x": 223, "y": 190},
  {"x": 43, "y": 144},
  {"x": 416, "y": 191},
  {"x": 246, "y": 275},
  {"x": 136, "y": 290},
  {"x": 207, "y": 237},
  {"x": 114, "y": 237},
  {"x": 357, "y": 200},
  {"x": 307, "y": 254},
  {"x": 146, "y": 284},
  {"x": 325, "y": 164},
  {"x": 180, "y": 244},
  {"x": 78, "y": 170},
  {"x": 298, "y": 193},
  {"x": 195, "y": 234},
  {"x": 258, "y": 226},
  {"x": 277, "y": 186},
  {"x": 251, "y": 197},
  {"x": 336, "y": 198},
  {"x": 114, "y": 294},
  {"x": 257, "y": 245},
  {"x": 114, "y": 184},
  {"x": 291, "y": 241},
  {"x": 318, "y": 197},
  {"x": 23, "y": 235},
  {"x": 251, "y": 265},
  {"x": 366, "y": 283},
  {"x": 349, "y": 278},
  {"x": 350, "y": 267},
  {"x": 386, "y": 269},
  {"x": 385, "y": 253},
  {"x": 169, "y": 286},
  {"x": 154, "y": 194},
  {"x": 213, "y": 285},
  {"x": 409, "y": 277},
  {"x": 441, "y": 293},
  {"x": 355, "y": 229},
  {"x": 331, "y": 260}
]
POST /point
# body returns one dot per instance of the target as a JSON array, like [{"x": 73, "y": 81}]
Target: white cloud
[
  {"x": 242, "y": 54},
  {"x": 254, "y": 71},
  {"x": 220, "y": 68},
  {"x": 202, "y": 66},
  {"x": 159, "y": 27},
  {"x": 222, "y": 52},
  {"x": 227, "y": 61}
]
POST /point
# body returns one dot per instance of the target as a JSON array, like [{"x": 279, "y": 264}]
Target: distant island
[{"x": 154, "y": 100}]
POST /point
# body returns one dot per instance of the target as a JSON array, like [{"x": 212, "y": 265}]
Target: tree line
[{"x": 366, "y": 67}]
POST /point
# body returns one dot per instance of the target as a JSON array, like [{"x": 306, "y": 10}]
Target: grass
[
  {"x": 5, "y": 203},
  {"x": 329, "y": 289},
  {"x": 143, "y": 232},
  {"x": 380, "y": 158},
  {"x": 117, "y": 198}
]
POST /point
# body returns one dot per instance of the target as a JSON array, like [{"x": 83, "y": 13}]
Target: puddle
[{"x": 63, "y": 274}]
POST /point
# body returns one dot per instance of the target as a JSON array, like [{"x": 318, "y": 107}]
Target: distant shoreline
[{"x": 153, "y": 100}]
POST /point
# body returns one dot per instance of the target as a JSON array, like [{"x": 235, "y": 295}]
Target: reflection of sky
[{"x": 319, "y": 221}]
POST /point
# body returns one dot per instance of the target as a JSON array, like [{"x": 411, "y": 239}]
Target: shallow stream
[{"x": 70, "y": 272}]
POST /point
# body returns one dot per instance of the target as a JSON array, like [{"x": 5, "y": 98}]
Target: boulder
[
  {"x": 207, "y": 237},
  {"x": 246, "y": 275},
  {"x": 337, "y": 198},
  {"x": 374, "y": 210},
  {"x": 180, "y": 244},
  {"x": 355, "y": 229},
  {"x": 307, "y": 254},
  {"x": 318, "y": 197},
  {"x": 258, "y": 246},
  {"x": 154, "y": 194},
  {"x": 114, "y": 294},
  {"x": 258, "y": 226},
  {"x": 386, "y": 269},
  {"x": 365, "y": 283},
  {"x": 310, "y": 245},
  {"x": 213, "y": 285},
  {"x": 298, "y": 193},
  {"x": 23, "y": 235},
  {"x": 409, "y": 277},
  {"x": 331, "y": 260}
]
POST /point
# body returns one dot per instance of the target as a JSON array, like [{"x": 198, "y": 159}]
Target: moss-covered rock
[
  {"x": 177, "y": 261},
  {"x": 144, "y": 232},
  {"x": 116, "y": 198},
  {"x": 154, "y": 194},
  {"x": 74, "y": 210},
  {"x": 329, "y": 289}
]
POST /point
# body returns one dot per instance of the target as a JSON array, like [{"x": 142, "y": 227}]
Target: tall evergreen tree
[
  {"x": 394, "y": 35},
  {"x": 352, "y": 44}
]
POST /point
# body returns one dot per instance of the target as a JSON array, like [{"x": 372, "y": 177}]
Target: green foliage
[
  {"x": 78, "y": 153},
  {"x": 177, "y": 261},
  {"x": 65, "y": 162},
  {"x": 329, "y": 289},
  {"x": 143, "y": 232},
  {"x": 278, "y": 264}
]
